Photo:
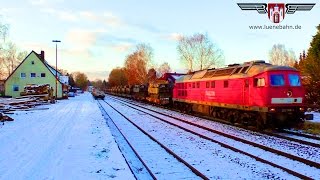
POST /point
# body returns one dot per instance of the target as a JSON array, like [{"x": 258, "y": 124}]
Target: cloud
[
  {"x": 88, "y": 15},
  {"x": 63, "y": 15},
  {"x": 123, "y": 47},
  {"x": 173, "y": 37},
  {"x": 38, "y": 2},
  {"x": 82, "y": 37},
  {"x": 44, "y": 2},
  {"x": 77, "y": 53},
  {"x": 106, "y": 18},
  {"x": 48, "y": 10},
  {"x": 5, "y": 10},
  {"x": 68, "y": 16},
  {"x": 94, "y": 75}
]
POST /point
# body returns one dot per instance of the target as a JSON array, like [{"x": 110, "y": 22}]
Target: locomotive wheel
[
  {"x": 189, "y": 108},
  {"x": 232, "y": 119}
]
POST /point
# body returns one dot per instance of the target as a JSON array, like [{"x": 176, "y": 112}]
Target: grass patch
[{"x": 311, "y": 127}]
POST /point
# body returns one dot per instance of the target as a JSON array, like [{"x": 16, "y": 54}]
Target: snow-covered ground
[
  {"x": 70, "y": 140},
  {"x": 316, "y": 117},
  {"x": 187, "y": 144}
]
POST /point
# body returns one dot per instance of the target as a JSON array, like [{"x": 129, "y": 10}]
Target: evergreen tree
[{"x": 311, "y": 70}]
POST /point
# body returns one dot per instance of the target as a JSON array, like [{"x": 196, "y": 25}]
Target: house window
[
  {"x": 15, "y": 88},
  {"x": 207, "y": 84},
  {"x": 43, "y": 74},
  {"x": 33, "y": 75},
  {"x": 23, "y": 75},
  {"x": 32, "y": 62},
  {"x": 198, "y": 84}
]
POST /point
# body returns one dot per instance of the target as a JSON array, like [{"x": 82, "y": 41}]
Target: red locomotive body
[{"x": 252, "y": 93}]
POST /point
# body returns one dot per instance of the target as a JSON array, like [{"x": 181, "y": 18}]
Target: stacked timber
[
  {"x": 35, "y": 90},
  {"x": 4, "y": 118},
  {"x": 9, "y": 105}
]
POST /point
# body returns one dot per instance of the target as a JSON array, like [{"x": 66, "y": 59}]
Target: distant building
[
  {"x": 90, "y": 88},
  {"x": 32, "y": 70},
  {"x": 171, "y": 77}
]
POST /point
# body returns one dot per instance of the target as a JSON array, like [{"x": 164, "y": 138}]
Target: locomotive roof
[{"x": 247, "y": 69}]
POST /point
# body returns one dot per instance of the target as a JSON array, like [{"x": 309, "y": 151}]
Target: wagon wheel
[
  {"x": 259, "y": 123},
  {"x": 231, "y": 117},
  {"x": 244, "y": 119},
  {"x": 189, "y": 108},
  {"x": 237, "y": 117}
]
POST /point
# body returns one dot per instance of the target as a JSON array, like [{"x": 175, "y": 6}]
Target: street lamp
[{"x": 56, "y": 41}]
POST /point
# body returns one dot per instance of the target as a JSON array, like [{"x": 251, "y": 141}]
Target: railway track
[
  {"x": 312, "y": 164},
  {"x": 145, "y": 147},
  {"x": 305, "y": 139}
]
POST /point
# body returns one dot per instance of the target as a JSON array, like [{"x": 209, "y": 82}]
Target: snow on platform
[{"x": 70, "y": 140}]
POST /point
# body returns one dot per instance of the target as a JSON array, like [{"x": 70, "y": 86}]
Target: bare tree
[
  {"x": 98, "y": 83},
  {"x": 152, "y": 75},
  {"x": 136, "y": 64},
  {"x": 280, "y": 56},
  {"x": 81, "y": 80},
  {"x": 197, "y": 52},
  {"x": 164, "y": 68},
  {"x": 3, "y": 34},
  {"x": 4, "y": 29},
  {"x": 118, "y": 77},
  {"x": 10, "y": 58},
  {"x": 145, "y": 54}
]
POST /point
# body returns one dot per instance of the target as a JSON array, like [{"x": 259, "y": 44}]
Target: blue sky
[{"x": 97, "y": 35}]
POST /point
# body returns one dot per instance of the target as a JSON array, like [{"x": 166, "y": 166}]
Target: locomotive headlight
[
  {"x": 272, "y": 109},
  {"x": 301, "y": 109}
]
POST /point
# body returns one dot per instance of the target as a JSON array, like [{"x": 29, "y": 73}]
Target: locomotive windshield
[
  {"x": 294, "y": 80},
  {"x": 277, "y": 80}
]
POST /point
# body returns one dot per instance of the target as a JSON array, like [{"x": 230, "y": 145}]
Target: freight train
[{"x": 253, "y": 93}]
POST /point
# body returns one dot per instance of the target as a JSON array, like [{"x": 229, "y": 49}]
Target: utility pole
[{"x": 56, "y": 41}]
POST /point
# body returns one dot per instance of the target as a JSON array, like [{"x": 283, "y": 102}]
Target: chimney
[{"x": 42, "y": 55}]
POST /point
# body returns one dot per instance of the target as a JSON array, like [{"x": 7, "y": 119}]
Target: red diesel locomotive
[{"x": 253, "y": 93}]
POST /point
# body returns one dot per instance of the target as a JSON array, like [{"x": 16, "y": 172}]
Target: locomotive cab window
[
  {"x": 294, "y": 80},
  {"x": 277, "y": 80},
  {"x": 259, "y": 82}
]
